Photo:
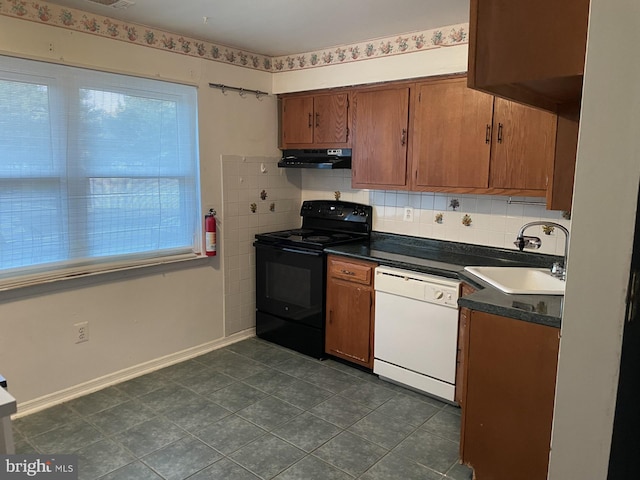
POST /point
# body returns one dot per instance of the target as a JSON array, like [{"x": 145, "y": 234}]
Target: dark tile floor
[{"x": 250, "y": 411}]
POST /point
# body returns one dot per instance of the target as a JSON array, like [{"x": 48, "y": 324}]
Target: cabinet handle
[
  {"x": 317, "y": 119},
  {"x": 347, "y": 272},
  {"x": 487, "y": 138},
  {"x": 403, "y": 138},
  {"x": 310, "y": 125},
  {"x": 500, "y": 132},
  {"x": 330, "y": 316},
  {"x": 347, "y": 138}
]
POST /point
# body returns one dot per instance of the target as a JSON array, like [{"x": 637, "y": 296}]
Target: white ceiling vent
[{"x": 114, "y": 3}]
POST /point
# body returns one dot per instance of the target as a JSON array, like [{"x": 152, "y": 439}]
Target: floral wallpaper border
[
  {"x": 381, "y": 47},
  {"x": 78, "y": 20}
]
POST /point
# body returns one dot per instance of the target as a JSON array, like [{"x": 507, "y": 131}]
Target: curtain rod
[{"x": 241, "y": 91}]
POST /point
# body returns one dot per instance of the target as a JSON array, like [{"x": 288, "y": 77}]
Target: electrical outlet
[
  {"x": 408, "y": 214},
  {"x": 81, "y": 332}
]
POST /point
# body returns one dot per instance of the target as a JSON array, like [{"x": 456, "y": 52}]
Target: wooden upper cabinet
[
  {"x": 451, "y": 135},
  {"x": 315, "y": 121},
  {"x": 530, "y": 52},
  {"x": 330, "y": 119},
  {"x": 468, "y": 141},
  {"x": 523, "y": 146},
  {"x": 297, "y": 120},
  {"x": 381, "y": 137}
]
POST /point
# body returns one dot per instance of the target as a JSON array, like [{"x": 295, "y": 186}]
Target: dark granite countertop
[{"x": 448, "y": 259}]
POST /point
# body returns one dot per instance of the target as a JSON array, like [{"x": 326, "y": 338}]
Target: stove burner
[
  {"x": 317, "y": 238},
  {"x": 288, "y": 233}
]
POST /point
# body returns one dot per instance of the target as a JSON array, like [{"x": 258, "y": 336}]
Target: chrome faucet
[{"x": 557, "y": 270}]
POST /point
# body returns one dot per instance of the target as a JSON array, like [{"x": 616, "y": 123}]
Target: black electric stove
[
  {"x": 291, "y": 272},
  {"x": 324, "y": 223}
]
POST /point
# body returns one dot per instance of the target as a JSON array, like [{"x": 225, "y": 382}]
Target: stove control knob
[
  {"x": 355, "y": 212},
  {"x": 438, "y": 294}
]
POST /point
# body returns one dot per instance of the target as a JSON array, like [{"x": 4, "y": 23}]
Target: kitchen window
[{"x": 97, "y": 171}]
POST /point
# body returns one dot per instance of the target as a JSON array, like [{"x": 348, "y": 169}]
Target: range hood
[{"x": 316, "y": 158}]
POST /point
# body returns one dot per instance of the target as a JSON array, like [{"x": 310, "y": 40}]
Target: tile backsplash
[
  {"x": 257, "y": 197},
  {"x": 491, "y": 219},
  {"x": 246, "y": 180}
]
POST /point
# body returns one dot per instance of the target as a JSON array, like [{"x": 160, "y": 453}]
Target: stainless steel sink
[{"x": 520, "y": 280}]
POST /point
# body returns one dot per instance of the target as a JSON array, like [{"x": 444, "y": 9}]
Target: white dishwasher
[{"x": 416, "y": 330}]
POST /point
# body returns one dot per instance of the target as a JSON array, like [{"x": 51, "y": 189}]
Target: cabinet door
[
  {"x": 451, "y": 135},
  {"x": 508, "y": 410},
  {"x": 528, "y": 51},
  {"x": 297, "y": 120},
  {"x": 330, "y": 119},
  {"x": 380, "y": 123},
  {"x": 523, "y": 146},
  {"x": 348, "y": 325}
]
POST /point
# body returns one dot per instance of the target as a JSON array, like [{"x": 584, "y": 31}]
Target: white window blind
[{"x": 95, "y": 168}]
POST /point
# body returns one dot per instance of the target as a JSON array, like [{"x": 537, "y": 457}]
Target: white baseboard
[{"x": 46, "y": 401}]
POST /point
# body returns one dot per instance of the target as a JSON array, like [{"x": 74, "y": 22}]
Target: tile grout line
[{"x": 273, "y": 394}]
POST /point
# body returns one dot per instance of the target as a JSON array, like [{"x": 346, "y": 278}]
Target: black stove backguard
[{"x": 291, "y": 273}]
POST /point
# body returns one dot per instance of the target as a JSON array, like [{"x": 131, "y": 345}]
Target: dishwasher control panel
[
  {"x": 419, "y": 286},
  {"x": 444, "y": 296}
]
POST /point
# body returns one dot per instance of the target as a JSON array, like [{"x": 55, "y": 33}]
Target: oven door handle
[{"x": 304, "y": 252}]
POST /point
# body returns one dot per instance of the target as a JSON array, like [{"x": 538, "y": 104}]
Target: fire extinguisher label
[{"x": 210, "y": 241}]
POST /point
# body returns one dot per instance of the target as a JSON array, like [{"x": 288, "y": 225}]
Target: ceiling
[{"x": 282, "y": 27}]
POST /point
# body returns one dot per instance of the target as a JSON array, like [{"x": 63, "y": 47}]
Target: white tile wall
[
  {"x": 494, "y": 222},
  {"x": 243, "y": 178}
]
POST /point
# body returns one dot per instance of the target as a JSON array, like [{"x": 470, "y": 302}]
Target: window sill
[{"x": 109, "y": 273}]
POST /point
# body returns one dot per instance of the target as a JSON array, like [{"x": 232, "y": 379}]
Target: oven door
[{"x": 290, "y": 283}]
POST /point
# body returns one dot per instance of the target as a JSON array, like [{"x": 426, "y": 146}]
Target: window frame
[{"x": 60, "y": 105}]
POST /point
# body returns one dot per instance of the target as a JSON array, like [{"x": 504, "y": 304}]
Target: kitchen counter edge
[{"x": 383, "y": 249}]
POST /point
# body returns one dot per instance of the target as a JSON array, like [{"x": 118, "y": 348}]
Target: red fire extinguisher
[{"x": 210, "y": 233}]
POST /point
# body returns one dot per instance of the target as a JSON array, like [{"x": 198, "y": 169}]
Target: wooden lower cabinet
[
  {"x": 463, "y": 346},
  {"x": 350, "y": 308},
  {"x": 507, "y": 409}
]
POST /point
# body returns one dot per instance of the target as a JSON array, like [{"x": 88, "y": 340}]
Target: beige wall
[
  {"x": 438, "y": 61},
  {"x": 138, "y": 319},
  {"x": 158, "y": 314},
  {"x": 604, "y": 209}
]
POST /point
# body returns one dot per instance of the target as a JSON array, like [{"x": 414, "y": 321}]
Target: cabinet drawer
[{"x": 349, "y": 271}]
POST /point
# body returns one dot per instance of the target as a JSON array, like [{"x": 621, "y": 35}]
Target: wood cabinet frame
[
  {"x": 509, "y": 396},
  {"x": 560, "y": 166},
  {"x": 344, "y": 276},
  {"x": 323, "y": 120}
]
